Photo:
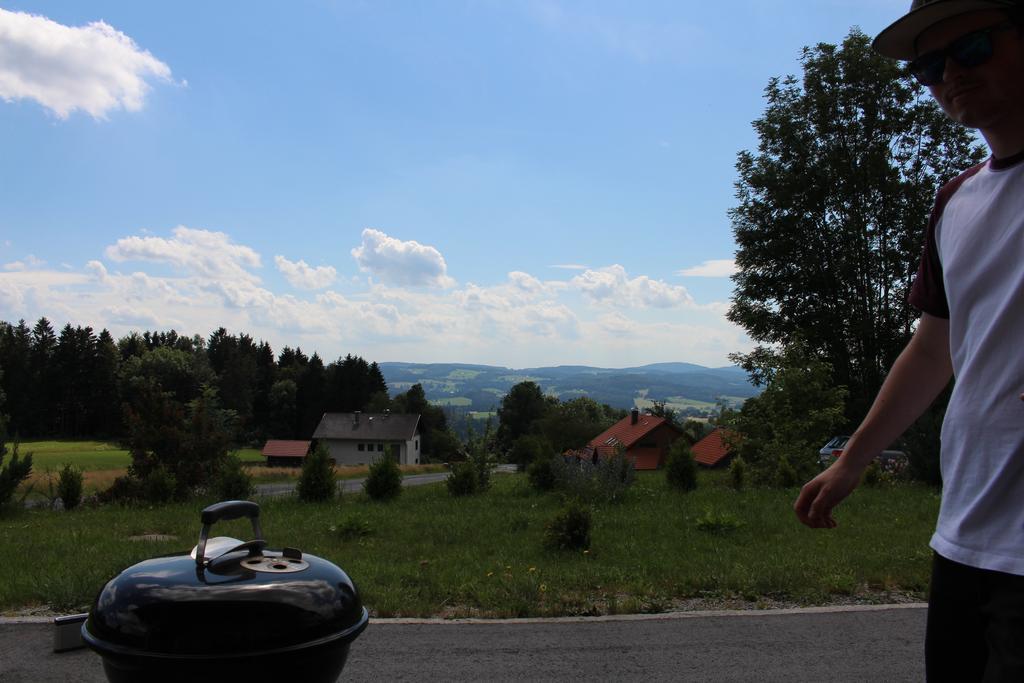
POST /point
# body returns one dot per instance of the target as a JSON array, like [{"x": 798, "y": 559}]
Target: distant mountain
[{"x": 692, "y": 390}]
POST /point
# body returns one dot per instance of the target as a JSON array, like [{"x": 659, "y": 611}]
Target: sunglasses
[{"x": 973, "y": 49}]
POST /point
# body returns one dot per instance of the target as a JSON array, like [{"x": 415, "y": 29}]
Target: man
[{"x": 970, "y": 289}]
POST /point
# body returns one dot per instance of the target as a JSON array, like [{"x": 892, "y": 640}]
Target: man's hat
[{"x": 897, "y": 41}]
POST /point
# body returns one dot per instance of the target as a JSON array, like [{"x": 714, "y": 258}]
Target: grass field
[
  {"x": 429, "y": 554},
  {"x": 454, "y": 401},
  {"x": 102, "y": 462}
]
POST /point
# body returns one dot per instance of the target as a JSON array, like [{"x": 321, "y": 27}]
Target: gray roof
[{"x": 366, "y": 426}]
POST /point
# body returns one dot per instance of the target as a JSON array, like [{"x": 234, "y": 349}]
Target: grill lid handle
[{"x": 226, "y": 510}]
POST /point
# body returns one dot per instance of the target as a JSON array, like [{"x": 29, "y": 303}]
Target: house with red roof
[
  {"x": 715, "y": 449},
  {"x": 285, "y": 452},
  {"x": 645, "y": 439}
]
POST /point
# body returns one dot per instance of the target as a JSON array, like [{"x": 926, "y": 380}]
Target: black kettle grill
[{"x": 228, "y": 611}]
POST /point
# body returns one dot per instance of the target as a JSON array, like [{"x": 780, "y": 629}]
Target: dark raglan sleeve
[{"x": 928, "y": 292}]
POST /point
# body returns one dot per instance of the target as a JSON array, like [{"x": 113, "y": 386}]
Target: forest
[{"x": 77, "y": 383}]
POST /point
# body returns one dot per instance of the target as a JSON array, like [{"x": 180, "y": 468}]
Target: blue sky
[{"x": 515, "y": 183}]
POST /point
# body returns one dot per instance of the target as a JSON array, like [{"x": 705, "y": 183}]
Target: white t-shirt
[{"x": 972, "y": 272}]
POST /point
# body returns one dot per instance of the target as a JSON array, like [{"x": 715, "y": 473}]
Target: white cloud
[
  {"x": 202, "y": 252},
  {"x": 94, "y": 68},
  {"x": 131, "y": 316},
  {"x": 303, "y": 276},
  {"x": 613, "y": 286},
  {"x": 597, "y": 317},
  {"x": 401, "y": 263},
  {"x": 569, "y": 266},
  {"x": 27, "y": 263},
  {"x": 99, "y": 271},
  {"x": 713, "y": 268}
]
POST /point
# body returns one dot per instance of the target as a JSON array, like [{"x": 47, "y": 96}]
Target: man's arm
[{"x": 919, "y": 374}]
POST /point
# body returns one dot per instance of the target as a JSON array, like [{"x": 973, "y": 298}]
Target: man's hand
[{"x": 820, "y": 495}]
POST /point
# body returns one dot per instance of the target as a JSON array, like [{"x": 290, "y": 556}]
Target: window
[
  {"x": 417, "y": 444},
  {"x": 380, "y": 448},
  {"x": 361, "y": 447}
]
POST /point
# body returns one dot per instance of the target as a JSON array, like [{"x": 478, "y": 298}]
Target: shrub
[
  {"x": 125, "y": 490},
  {"x": 613, "y": 475},
  {"x": 873, "y": 474},
  {"x": 541, "y": 473},
  {"x": 12, "y": 474},
  {"x": 463, "y": 480},
  {"x": 681, "y": 469},
  {"x": 738, "y": 473},
  {"x": 479, "y": 456},
  {"x": 528, "y": 449},
  {"x": 232, "y": 481},
  {"x": 569, "y": 529},
  {"x": 351, "y": 528},
  {"x": 316, "y": 482},
  {"x": 786, "y": 475},
  {"x": 718, "y": 522},
  {"x": 607, "y": 481},
  {"x": 384, "y": 481},
  {"x": 70, "y": 484},
  {"x": 158, "y": 486}
]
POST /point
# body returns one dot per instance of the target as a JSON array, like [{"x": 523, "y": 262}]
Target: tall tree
[
  {"x": 103, "y": 387},
  {"x": 15, "y": 354},
  {"x": 783, "y": 428},
  {"x": 520, "y": 412},
  {"x": 438, "y": 441},
  {"x": 44, "y": 380},
  {"x": 832, "y": 208}
]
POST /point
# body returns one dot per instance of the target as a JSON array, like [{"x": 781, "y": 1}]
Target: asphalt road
[
  {"x": 356, "y": 485},
  {"x": 351, "y": 485},
  {"x": 846, "y": 644}
]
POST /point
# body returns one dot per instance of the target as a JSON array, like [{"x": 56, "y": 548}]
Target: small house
[
  {"x": 363, "y": 438},
  {"x": 715, "y": 449},
  {"x": 645, "y": 439},
  {"x": 281, "y": 452}
]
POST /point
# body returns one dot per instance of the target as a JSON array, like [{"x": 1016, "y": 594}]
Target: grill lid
[{"x": 226, "y": 598}]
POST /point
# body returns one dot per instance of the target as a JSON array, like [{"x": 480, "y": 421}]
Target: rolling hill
[{"x": 692, "y": 390}]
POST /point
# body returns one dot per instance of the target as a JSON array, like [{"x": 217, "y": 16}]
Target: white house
[{"x": 363, "y": 438}]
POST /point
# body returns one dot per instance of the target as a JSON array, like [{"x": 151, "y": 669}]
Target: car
[{"x": 888, "y": 459}]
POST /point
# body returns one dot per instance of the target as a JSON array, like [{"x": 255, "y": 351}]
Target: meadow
[
  {"x": 102, "y": 462},
  {"x": 428, "y": 554}
]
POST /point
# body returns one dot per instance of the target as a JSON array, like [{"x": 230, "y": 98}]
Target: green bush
[
  {"x": 463, "y": 480},
  {"x": 384, "y": 481},
  {"x": 738, "y": 473},
  {"x": 873, "y": 474},
  {"x": 718, "y": 523},
  {"x": 158, "y": 486},
  {"x": 528, "y": 449},
  {"x": 786, "y": 475},
  {"x": 681, "y": 468},
  {"x": 70, "y": 484},
  {"x": 351, "y": 528},
  {"x": 12, "y": 474},
  {"x": 316, "y": 482},
  {"x": 607, "y": 481},
  {"x": 125, "y": 490},
  {"x": 232, "y": 481},
  {"x": 569, "y": 529},
  {"x": 541, "y": 473}
]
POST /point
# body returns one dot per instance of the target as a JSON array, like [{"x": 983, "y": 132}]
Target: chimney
[{"x": 634, "y": 415}]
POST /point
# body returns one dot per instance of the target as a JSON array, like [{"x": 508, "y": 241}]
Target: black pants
[{"x": 975, "y": 625}]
